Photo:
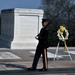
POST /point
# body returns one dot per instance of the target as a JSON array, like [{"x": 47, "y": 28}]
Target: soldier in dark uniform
[{"x": 41, "y": 47}]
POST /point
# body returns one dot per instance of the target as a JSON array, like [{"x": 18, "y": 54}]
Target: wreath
[
  {"x": 61, "y": 36},
  {"x": 60, "y": 33}
]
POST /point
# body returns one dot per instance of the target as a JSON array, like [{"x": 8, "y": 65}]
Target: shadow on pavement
[
  {"x": 16, "y": 66},
  {"x": 22, "y": 70}
]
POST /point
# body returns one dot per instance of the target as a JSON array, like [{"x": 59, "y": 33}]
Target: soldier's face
[{"x": 45, "y": 23}]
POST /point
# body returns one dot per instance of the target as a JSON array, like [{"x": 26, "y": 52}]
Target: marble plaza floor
[{"x": 15, "y": 62}]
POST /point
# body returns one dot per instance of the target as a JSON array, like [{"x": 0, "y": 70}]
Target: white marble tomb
[{"x": 19, "y": 27}]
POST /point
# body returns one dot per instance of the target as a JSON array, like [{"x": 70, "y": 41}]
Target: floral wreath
[
  {"x": 60, "y": 33},
  {"x": 61, "y": 37}
]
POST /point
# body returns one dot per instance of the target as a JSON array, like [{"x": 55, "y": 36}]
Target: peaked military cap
[{"x": 45, "y": 20}]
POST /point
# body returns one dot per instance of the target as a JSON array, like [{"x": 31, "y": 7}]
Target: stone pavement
[{"x": 15, "y": 62}]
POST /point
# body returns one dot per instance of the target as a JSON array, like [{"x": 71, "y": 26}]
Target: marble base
[{"x": 19, "y": 27}]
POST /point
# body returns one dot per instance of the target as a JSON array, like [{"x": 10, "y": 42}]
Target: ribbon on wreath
[{"x": 65, "y": 45}]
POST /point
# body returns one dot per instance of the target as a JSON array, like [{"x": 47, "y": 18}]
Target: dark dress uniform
[{"x": 41, "y": 49}]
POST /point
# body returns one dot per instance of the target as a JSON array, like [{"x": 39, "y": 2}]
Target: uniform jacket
[{"x": 43, "y": 37}]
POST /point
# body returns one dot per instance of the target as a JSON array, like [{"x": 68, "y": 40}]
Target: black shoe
[
  {"x": 31, "y": 69},
  {"x": 43, "y": 69}
]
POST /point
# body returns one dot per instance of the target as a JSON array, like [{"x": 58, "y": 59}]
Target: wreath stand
[{"x": 57, "y": 50}]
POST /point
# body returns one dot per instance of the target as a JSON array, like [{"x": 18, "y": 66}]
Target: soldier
[{"x": 41, "y": 47}]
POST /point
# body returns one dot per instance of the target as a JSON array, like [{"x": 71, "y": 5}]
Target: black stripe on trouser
[{"x": 45, "y": 60}]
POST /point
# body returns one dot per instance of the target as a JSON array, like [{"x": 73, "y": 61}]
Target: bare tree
[{"x": 60, "y": 12}]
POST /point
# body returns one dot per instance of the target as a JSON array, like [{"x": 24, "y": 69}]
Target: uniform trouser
[{"x": 40, "y": 50}]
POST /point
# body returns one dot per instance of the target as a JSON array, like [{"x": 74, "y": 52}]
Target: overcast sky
[{"x": 7, "y": 4}]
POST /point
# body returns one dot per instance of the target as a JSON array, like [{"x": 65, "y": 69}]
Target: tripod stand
[{"x": 56, "y": 52}]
